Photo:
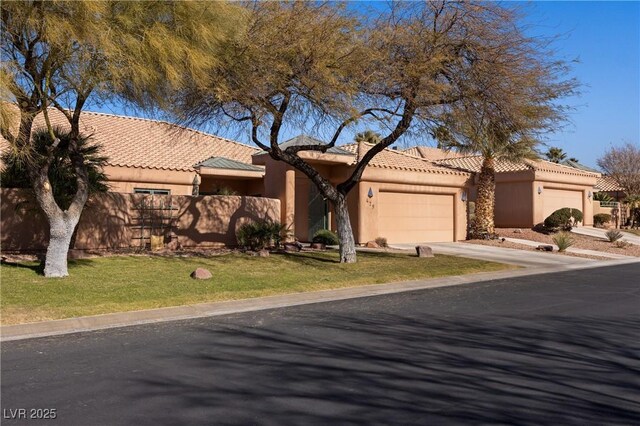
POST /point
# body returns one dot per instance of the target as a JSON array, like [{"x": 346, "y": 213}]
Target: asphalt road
[{"x": 548, "y": 349}]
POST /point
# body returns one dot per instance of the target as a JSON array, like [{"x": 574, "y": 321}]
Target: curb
[{"x": 125, "y": 319}]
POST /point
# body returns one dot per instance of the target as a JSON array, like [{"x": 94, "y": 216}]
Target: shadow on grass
[{"x": 38, "y": 267}]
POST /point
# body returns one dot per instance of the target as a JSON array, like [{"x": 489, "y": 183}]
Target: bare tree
[{"x": 622, "y": 163}]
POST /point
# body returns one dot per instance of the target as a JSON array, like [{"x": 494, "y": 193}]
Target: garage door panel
[
  {"x": 555, "y": 199},
  {"x": 410, "y": 218}
]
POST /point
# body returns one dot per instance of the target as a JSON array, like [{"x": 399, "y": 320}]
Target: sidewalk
[
  {"x": 601, "y": 233},
  {"x": 571, "y": 250},
  {"x": 123, "y": 319}
]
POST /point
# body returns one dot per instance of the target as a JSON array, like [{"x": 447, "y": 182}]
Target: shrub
[
  {"x": 603, "y": 197},
  {"x": 258, "y": 235},
  {"x": 324, "y": 236},
  {"x": 382, "y": 242},
  {"x": 613, "y": 235},
  {"x": 622, "y": 244},
  {"x": 563, "y": 218},
  {"x": 601, "y": 218},
  {"x": 563, "y": 240}
]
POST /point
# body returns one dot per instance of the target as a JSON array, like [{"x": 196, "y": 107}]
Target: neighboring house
[
  {"x": 529, "y": 191},
  {"x": 149, "y": 156},
  {"x": 609, "y": 186}
]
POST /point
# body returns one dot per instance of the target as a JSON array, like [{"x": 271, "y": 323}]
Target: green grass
[{"x": 116, "y": 284}]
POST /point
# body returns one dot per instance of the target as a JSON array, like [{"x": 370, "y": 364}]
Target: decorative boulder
[
  {"x": 318, "y": 246},
  {"x": 295, "y": 247},
  {"x": 544, "y": 247},
  {"x": 263, "y": 253},
  {"x": 201, "y": 274},
  {"x": 517, "y": 231},
  {"x": 372, "y": 244},
  {"x": 424, "y": 251}
]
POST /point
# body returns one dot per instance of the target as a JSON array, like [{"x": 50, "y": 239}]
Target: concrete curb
[{"x": 125, "y": 319}]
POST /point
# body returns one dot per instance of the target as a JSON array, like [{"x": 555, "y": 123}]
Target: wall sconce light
[
  {"x": 539, "y": 190},
  {"x": 463, "y": 196},
  {"x": 589, "y": 195},
  {"x": 370, "y": 193}
]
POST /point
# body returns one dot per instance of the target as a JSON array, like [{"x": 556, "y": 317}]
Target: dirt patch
[
  {"x": 581, "y": 241},
  {"x": 508, "y": 244}
]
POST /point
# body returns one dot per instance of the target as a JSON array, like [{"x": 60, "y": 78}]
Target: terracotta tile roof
[
  {"x": 431, "y": 153},
  {"x": 607, "y": 183},
  {"x": 145, "y": 143},
  {"x": 474, "y": 162},
  {"x": 398, "y": 160}
]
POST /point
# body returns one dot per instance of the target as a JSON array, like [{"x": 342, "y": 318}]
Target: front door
[{"x": 317, "y": 211}]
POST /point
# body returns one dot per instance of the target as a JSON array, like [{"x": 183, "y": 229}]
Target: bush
[
  {"x": 563, "y": 240},
  {"x": 613, "y": 235},
  {"x": 563, "y": 218},
  {"x": 258, "y": 235},
  {"x": 601, "y": 218},
  {"x": 382, "y": 242},
  {"x": 324, "y": 236},
  {"x": 622, "y": 244}
]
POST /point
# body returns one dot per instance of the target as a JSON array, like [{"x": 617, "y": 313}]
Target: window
[{"x": 151, "y": 191}]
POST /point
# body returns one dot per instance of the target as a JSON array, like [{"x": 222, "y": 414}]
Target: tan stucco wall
[
  {"x": 108, "y": 220},
  {"x": 514, "y": 204},
  {"x": 126, "y": 179}
]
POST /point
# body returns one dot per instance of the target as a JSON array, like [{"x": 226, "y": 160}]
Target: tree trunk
[
  {"x": 485, "y": 203},
  {"x": 345, "y": 233},
  {"x": 61, "y": 228}
]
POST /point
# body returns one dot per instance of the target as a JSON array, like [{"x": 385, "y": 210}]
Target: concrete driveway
[
  {"x": 524, "y": 258},
  {"x": 601, "y": 233}
]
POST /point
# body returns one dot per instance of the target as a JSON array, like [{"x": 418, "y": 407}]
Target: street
[{"x": 558, "y": 348}]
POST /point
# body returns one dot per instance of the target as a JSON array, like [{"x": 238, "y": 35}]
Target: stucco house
[
  {"x": 417, "y": 195},
  {"x": 529, "y": 191}
]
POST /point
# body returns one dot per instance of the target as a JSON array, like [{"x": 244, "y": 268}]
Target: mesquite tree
[
  {"x": 59, "y": 54},
  {"x": 304, "y": 62},
  {"x": 622, "y": 163}
]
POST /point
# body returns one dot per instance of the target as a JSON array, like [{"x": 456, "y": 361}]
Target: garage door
[
  {"x": 555, "y": 199},
  {"x": 412, "y": 218}
]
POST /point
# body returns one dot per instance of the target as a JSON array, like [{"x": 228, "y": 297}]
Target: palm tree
[
  {"x": 555, "y": 154},
  {"x": 61, "y": 172},
  {"x": 368, "y": 136}
]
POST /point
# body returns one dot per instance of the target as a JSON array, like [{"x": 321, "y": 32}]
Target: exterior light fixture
[
  {"x": 370, "y": 193},
  {"x": 539, "y": 190},
  {"x": 589, "y": 195},
  {"x": 463, "y": 196}
]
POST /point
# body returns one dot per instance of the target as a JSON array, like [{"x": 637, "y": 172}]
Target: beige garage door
[
  {"x": 555, "y": 199},
  {"x": 412, "y": 218}
]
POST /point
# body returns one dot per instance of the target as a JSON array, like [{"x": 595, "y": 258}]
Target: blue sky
[{"x": 605, "y": 39}]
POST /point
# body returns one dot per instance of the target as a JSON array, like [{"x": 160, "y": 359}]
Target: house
[
  {"x": 403, "y": 198},
  {"x": 155, "y": 157},
  {"x": 529, "y": 191},
  {"x": 418, "y": 195}
]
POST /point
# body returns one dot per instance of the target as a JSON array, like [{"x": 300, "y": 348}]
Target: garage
[
  {"x": 412, "y": 218},
  {"x": 554, "y": 199}
]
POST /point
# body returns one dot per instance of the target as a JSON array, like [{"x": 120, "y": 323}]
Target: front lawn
[{"x": 115, "y": 284}]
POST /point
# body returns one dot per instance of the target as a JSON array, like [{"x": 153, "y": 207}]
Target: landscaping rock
[
  {"x": 318, "y": 246},
  {"x": 263, "y": 253},
  {"x": 201, "y": 274},
  {"x": 424, "y": 251},
  {"x": 372, "y": 244},
  {"x": 517, "y": 231},
  {"x": 292, "y": 247},
  {"x": 544, "y": 247}
]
